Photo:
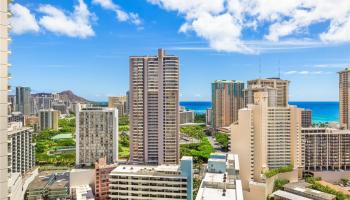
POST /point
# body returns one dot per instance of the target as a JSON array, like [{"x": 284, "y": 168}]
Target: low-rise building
[
  {"x": 221, "y": 179},
  {"x": 167, "y": 181},
  {"x": 300, "y": 191},
  {"x": 16, "y": 117},
  {"x": 49, "y": 185},
  {"x": 32, "y": 121}
]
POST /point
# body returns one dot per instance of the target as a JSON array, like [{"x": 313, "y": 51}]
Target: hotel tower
[
  {"x": 154, "y": 113},
  {"x": 344, "y": 100},
  {"x": 227, "y": 98},
  {"x": 4, "y": 39}
]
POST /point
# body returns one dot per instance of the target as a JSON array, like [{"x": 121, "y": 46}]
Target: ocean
[{"x": 321, "y": 111}]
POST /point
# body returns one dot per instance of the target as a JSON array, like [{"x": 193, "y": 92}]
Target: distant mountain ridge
[
  {"x": 69, "y": 95},
  {"x": 66, "y": 95}
]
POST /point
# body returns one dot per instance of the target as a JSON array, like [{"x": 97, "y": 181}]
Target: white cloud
[
  {"x": 222, "y": 22},
  {"x": 121, "y": 15},
  {"x": 22, "y": 20},
  {"x": 75, "y": 24},
  {"x": 305, "y": 72}
]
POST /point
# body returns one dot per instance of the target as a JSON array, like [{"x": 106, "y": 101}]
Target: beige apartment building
[
  {"x": 282, "y": 87},
  {"x": 96, "y": 135},
  {"x": 326, "y": 149},
  {"x": 154, "y": 113},
  {"x": 4, "y": 52},
  {"x": 344, "y": 98},
  {"x": 227, "y": 99},
  {"x": 48, "y": 119},
  {"x": 266, "y": 137},
  {"x": 119, "y": 102}
]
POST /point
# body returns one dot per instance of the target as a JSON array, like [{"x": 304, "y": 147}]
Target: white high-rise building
[
  {"x": 167, "y": 181},
  {"x": 154, "y": 114},
  {"x": 21, "y": 148},
  {"x": 4, "y": 52},
  {"x": 96, "y": 135}
]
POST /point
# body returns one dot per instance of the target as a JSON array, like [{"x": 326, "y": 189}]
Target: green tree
[{"x": 223, "y": 140}]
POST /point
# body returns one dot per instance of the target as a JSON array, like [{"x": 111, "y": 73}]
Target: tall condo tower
[
  {"x": 154, "y": 113},
  {"x": 282, "y": 87},
  {"x": 23, "y": 100},
  {"x": 227, "y": 98},
  {"x": 344, "y": 99},
  {"x": 4, "y": 39},
  {"x": 96, "y": 135}
]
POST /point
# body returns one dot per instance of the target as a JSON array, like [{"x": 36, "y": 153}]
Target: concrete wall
[
  {"x": 260, "y": 191},
  {"x": 82, "y": 177}
]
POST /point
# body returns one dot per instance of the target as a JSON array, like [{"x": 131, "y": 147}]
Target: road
[{"x": 215, "y": 144}]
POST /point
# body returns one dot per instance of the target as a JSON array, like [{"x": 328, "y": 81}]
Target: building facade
[
  {"x": 326, "y": 149},
  {"x": 221, "y": 179},
  {"x": 282, "y": 87},
  {"x": 227, "y": 99},
  {"x": 96, "y": 135},
  {"x": 119, "y": 102},
  {"x": 186, "y": 116},
  {"x": 208, "y": 116},
  {"x": 4, "y": 52},
  {"x": 16, "y": 117},
  {"x": 344, "y": 98},
  {"x": 306, "y": 118},
  {"x": 21, "y": 148},
  {"x": 102, "y": 171},
  {"x": 152, "y": 182},
  {"x": 265, "y": 138},
  {"x": 154, "y": 113},
  {"x": 252, "y": 89},
  {"x": 48, "y": 119},
  {"x": 23, "y": 100}
]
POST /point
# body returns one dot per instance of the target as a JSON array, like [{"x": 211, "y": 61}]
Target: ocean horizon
[{"x": 322, "y": 111}]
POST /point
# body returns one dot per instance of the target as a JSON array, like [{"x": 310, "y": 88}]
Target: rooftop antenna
[
  {"x": 279, "y": 69},
  {"x": 259, "y": 67}
]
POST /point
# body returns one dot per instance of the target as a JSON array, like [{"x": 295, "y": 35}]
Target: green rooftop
[{"x": 62, "y": 136}]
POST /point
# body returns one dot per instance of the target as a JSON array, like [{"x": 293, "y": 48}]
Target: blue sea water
[{"x": 321, "y": 111}]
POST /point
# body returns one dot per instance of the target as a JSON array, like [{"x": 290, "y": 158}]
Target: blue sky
[{"x": 88, "y": 53}]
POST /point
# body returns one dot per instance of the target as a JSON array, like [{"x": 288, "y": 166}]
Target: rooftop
[
  {"x": 83, "y": 192},
  {"x": 303, "y": 187},
  {"x": 50, "y": 179},
  {"x": 288, "y": 195},
  {"x": 212, "y": 193},
  {"x": 145, "y": 169}
]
